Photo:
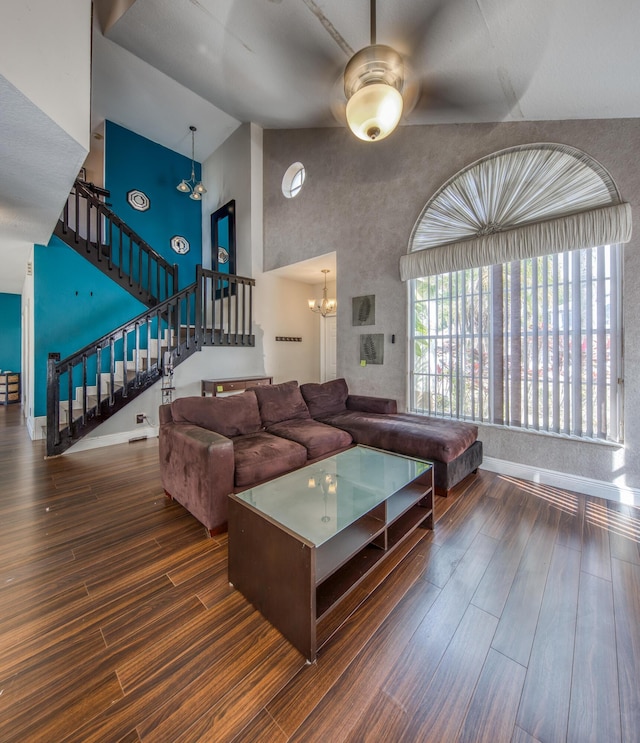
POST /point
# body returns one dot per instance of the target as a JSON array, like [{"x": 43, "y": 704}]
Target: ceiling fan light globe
[{"x": 374, "y": 111}]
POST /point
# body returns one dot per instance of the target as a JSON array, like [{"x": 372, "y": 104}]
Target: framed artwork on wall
[
  {"x": 363, "y": 310},
  {"x": 223, "y": 245},
  {"x": 371, "y": 348}
]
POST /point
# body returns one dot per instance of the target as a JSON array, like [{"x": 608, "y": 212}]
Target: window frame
[{"x": 488, "y": 412}]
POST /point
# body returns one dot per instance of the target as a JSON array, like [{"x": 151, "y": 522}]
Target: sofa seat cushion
[
  {"x": 327, "y": 398},
  {"x": 318, "y": 438},
  {"x": 404, "y": 433},
  {"x": 230, "y": 416},
  {"x": 261, "y": 456},
  {"x": 280, "y": 402}
]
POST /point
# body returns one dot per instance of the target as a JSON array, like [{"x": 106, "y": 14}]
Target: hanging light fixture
[
  {"x": 373, "y": 82},
  {"x": 327, "y": 306},
  {"x": 193, "y": 188}
]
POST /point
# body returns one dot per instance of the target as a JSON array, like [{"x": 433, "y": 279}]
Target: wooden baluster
[
  {"x": 53, "y": 403},
  {"x": 70, "y": 399},
  {"x": 110, "y": 245},
  {"x": 77, "y": 216},
  {"x": 125, "y": 355},
  {"x": 130, "y": 259},
  {"x": 237, "y": 300},
  {"x": 159, "y": 338},
  {"x": 84, "y": 389},
  {"x": 119, "y": 252},
  {"x": 112, "y": 369},
  {"x": 65, "y": 215},
  {"x": 99, "y": 379}
]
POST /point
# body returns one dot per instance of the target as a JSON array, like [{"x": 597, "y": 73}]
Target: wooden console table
[{"x": 219, "y": 386}]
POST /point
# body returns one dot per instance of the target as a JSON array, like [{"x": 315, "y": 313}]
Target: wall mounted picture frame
[
  {"x": 371, "y": 348},
  {"x": 363, "y": 310},
  {"x": 223, "y": 245}
]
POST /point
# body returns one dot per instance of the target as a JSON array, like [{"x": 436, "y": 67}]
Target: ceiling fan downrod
[
  {"x": 372, "y": 17},
  {"x": 373, "y": 82}
]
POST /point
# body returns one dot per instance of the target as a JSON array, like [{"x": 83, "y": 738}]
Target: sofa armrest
[
  {"x": 164, "y": 413},
  {"x": 197, "y": 469},
  {"x": 366, "y": 404}
]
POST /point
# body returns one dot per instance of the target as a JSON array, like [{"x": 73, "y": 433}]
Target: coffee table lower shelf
[{"x": 295, "y": 584}]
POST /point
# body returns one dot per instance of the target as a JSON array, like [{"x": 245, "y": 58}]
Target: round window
[{"x": 293, "y": 180}]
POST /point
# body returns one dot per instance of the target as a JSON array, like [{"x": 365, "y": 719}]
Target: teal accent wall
[
  {"x": 134, "y": 162},
  {"x": 10, "y": 332},
  {"x": 74, "y": 305}
]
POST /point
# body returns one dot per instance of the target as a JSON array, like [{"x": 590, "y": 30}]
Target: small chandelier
[
  {"x": 327, "y": 306},
  {"x": 193, "y": 188}
]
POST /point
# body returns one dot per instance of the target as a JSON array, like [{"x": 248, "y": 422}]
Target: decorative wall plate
[
  {"x": 223, "y": 255},
  {"x": 138, "y": 200},
  {"x": 180, "y": 244}
]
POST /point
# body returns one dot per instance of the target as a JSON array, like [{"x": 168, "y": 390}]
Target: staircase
[
  {"x": 94, "y": 383},
  {"x": 88, "y": 225}
]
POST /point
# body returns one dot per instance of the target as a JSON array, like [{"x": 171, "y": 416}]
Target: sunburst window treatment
[
  {"x": 516, "y": 295},
  {"x": 518, "y": 203}
]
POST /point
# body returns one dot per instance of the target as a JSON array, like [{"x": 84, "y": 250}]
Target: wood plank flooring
[{"x": 516, "y": 620}]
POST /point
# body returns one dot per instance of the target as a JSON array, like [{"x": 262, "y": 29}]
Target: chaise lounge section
[
  {"x": 213, "y": 446},
  {"x": 453, "y": 446}
]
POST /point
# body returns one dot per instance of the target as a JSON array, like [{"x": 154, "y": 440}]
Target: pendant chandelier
[
  {"x": 194, "y": 188},
  {"x": 326, "y": 306}
]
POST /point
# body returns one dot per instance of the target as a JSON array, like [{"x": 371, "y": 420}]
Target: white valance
[
  {"x": 605, "y": 226},
  {"x": 518, "y": 203}
]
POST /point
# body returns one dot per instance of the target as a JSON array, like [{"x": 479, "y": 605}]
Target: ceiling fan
[
  {"x": 379, "y": 88},
  {"x": 373, "y": 84}
]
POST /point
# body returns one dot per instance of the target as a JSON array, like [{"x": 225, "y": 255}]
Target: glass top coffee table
[{"x": 300, "y": 543}]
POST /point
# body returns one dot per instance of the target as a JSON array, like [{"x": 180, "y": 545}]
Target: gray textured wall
[{"x": 362, "y": 200}]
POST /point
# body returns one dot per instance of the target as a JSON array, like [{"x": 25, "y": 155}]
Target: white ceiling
[
  {"x": 38, "y": 161},
  {"x": 166, "y": 64},
  {"x": 277, "y": 62},
  {"x": 162, "y": 65},
  {"x": 309, "y": 271}
]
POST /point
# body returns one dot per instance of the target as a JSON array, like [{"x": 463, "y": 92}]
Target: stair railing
[
  {"x": 88, "y": 225},
  {"x": 88, "y": 387},
  {"x": 224, "y": 309}
]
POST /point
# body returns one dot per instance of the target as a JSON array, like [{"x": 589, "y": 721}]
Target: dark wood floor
[{"x": 518, "y": 619}]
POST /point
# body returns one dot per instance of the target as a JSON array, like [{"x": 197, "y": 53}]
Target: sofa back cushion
[
  {"x": 230, "y": 416},
  {"x": 328, "y": 398},
  {"x": 281, "y": 402}
]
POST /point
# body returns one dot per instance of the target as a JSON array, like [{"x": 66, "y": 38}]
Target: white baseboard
[
  {"x": 122, "y": 437},
  {"x": 575, "y": 483},
  {"x": 37, "y": 427},
  {"x": 31, "y": 428}
]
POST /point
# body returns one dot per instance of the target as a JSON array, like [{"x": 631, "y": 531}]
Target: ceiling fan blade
[
  {"x": 468, "y": 100},
  {"x": 429, "y": 24}
]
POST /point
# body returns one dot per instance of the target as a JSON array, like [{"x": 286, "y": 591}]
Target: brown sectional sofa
[{"x": 213, "y": 446}]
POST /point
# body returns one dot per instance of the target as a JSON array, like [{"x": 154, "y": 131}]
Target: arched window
[{"x": 516, "y": 279}]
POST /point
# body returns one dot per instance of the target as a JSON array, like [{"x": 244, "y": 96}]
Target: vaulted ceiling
[
  {"x": 279, "y": 62},
  {"x": 162, "y": 65}
]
